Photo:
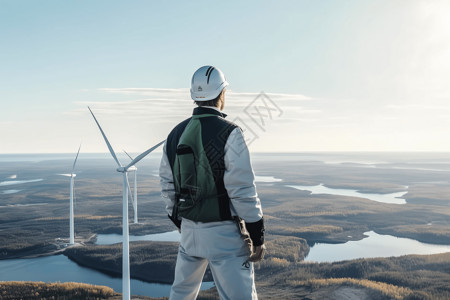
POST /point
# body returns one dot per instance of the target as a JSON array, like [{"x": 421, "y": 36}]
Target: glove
[{"x": 258, "y": 253}]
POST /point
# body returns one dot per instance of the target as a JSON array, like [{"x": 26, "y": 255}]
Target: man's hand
[{"x": 258, "y": 253}]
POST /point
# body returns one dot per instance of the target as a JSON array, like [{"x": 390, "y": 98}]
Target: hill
[{"x": 14, "y": 290}]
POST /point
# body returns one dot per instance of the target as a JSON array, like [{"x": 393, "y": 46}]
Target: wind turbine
[
  {"x": 134, "y": 197},
  {"x": 72, "y": 178},
  {"x": 125, "y": 230}
]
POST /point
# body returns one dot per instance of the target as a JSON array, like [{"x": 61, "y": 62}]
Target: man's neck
[{"x": 213, "y": 107}]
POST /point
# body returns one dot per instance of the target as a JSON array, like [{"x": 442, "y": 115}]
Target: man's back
[
  {"x": 207, "y": 184},
  {"x": 198, "y": 166}
]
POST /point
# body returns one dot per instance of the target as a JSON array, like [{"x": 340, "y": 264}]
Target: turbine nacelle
[{"x": 126, "y": 169}]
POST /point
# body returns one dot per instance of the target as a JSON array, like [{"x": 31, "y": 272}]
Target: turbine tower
[
  {"x": 72, "y": 177},
  {"x": 125, "y": 231},
  {"x": 134, "y": 197}
]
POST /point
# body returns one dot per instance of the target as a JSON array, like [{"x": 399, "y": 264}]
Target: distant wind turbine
[
  {"x": 125, "y": 230},
  {"x": 134, "y": 197},
  {"x": 72, "y": 178}
]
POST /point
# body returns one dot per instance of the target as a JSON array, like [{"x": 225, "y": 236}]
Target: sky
[{"x": 330, "y": 75}]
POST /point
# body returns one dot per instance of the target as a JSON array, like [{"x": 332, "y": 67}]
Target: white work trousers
[{"x": 220, "y": 245}]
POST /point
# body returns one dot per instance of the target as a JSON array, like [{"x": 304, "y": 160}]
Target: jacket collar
[{"x": 207, "y": 110}]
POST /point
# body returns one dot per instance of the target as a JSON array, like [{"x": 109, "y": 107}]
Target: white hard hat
[{"x": 207, "y": 83}]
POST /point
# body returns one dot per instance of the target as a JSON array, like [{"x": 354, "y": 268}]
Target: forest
[{"x": 53, "y": 291}]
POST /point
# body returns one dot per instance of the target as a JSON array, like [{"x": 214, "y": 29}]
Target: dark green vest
[{"x": 195, "y": 149}]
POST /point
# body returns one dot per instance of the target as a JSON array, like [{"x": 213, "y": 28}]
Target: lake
[
  {"x": 375, "y": 245},
  {"x": 266, "y": 179},
  {"x": 59, "y": 268},
  {"x": 15, "y": 182},
  {"x": 108, "y": 239},
  {"x": 392, "y": 198}
]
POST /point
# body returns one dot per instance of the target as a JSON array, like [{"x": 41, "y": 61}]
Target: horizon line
[{"x": 256, "y": 152}]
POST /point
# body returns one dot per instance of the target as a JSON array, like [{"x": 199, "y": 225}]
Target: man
[{"x": 208, "y": 186}]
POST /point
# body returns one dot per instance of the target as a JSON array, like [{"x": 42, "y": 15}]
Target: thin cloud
[
  {"x": 159, "y": 105},
  {"x": 185, "y": 91},
  {"x": 151, "y": 112},
  {"x": 277, "y": 96},
  {"x": 147, "y": 91},
  {"x": 417, "y": 107}
]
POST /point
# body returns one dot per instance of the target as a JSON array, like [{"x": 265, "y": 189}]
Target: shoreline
[{"x": 57, "y": 248}]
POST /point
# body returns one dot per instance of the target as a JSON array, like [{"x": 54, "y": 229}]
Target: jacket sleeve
[
  {"x": 166, "y": 181},
  {"x": 239, "y": 181}
]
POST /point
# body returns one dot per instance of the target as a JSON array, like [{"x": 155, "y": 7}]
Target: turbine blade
[
  {"x": 76, "y": 157},
  {"x": 142, "y": 155},
  {"x": 106, "y": 140},
  {"x": 128, "y": 154}
]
